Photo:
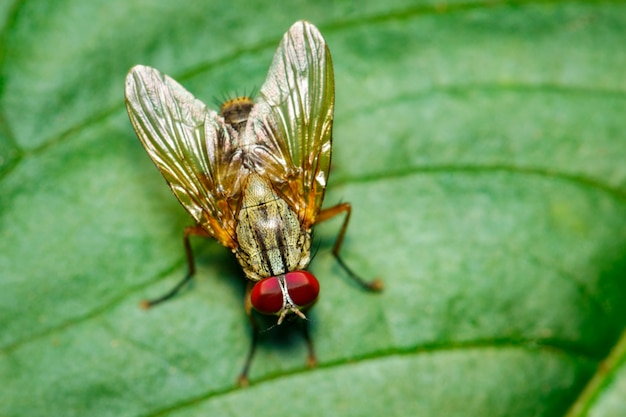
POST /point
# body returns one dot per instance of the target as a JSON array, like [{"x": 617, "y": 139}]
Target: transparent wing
[
  {"x": 289, "y": 131},
  {"x": 195, "y": 150}
]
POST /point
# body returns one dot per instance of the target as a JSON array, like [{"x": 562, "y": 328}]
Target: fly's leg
[
  {"x": 376, "y": 284},
  {"x": 311, "y": 360},
  {"x": 189, "y": 231},
  {"x": 242, "y": 379}
]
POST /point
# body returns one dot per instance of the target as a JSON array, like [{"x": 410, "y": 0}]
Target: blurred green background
[{"x": 481, "y": 145}]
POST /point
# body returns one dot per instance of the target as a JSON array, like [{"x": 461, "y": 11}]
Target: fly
[{"x": 253, "y": 177}]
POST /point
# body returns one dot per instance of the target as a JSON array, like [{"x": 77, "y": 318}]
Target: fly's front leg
[
  {"x": 376, "y": 284},
  {"x": 311, "y": 359},
  {"x": 242, "y": 380},
  {"x": 191, "y": 267}
]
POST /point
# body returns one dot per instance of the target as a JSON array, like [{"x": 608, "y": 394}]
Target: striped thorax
[{"x": 271, "y": 238}]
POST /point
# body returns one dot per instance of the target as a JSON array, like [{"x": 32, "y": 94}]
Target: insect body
[
  {"x": 272, "y": 243},
  {"x": 253, "y": 176}
]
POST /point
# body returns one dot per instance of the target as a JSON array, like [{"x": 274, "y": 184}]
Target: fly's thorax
[{"x": 271, "y": 238}]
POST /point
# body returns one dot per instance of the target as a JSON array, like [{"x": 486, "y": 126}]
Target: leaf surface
[{"x": 481, "y": 145}]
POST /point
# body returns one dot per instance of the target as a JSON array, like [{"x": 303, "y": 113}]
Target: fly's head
[{"x": 285, "y": 294}]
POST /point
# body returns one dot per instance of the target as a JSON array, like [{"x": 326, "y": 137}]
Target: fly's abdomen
[{"x": 270, "y": 237}]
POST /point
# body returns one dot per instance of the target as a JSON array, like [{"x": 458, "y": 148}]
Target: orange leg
[
  {"x": 376, "y": 284},
  {"x": 189, "y": 231}
]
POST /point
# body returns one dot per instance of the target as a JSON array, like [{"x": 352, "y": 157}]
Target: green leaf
[{"x": 481, "y": 145}]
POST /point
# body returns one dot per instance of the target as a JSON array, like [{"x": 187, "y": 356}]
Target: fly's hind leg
[
  {"x": 189, "y": 231},
  {"x": 374, "y": 285}
]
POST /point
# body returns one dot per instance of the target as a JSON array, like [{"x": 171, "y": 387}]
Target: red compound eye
[
  {"x": 267, "y": 296},
  {"x": 302, "y": 287}
]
